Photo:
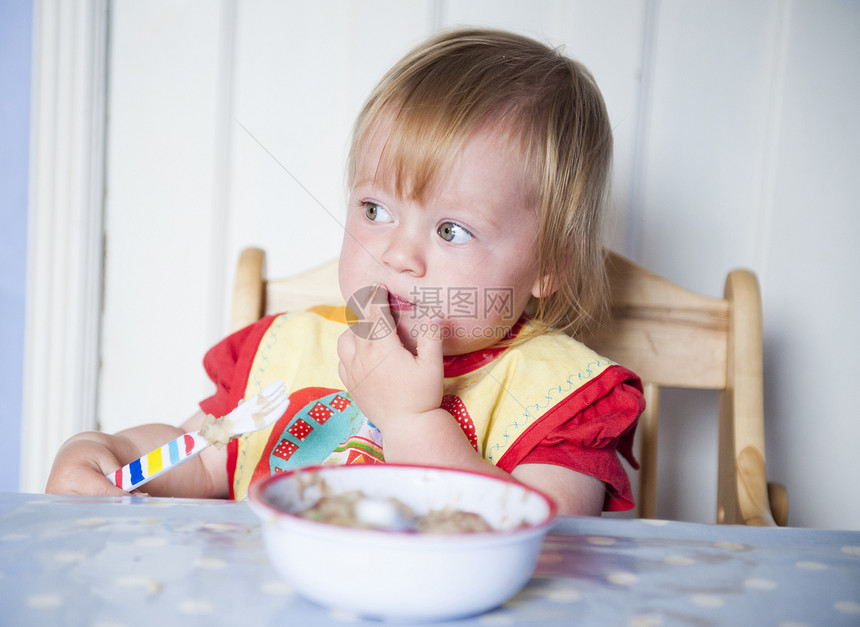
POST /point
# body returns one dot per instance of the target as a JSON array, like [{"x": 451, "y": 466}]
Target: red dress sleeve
[
  {"x": 228, "y": 364},
  {"x": 586, "y": 432}
]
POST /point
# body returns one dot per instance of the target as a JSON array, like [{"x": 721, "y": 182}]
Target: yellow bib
[{"x": 494, "y": 400}]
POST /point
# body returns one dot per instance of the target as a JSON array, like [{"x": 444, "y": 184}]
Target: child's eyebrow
[
  {"x": 373, "y": 185},
  {"x": 366, "y": 182}
]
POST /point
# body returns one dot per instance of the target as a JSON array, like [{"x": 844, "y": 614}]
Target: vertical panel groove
[
  {"x": 219, "y": 266},
  {"x": 438, "y": 14},
  {"x": 774, "y": 94},
  {"x": 636, "y": 209}
]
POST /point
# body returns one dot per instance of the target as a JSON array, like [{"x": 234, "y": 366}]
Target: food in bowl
[
  {"x": 355, "y": 509},
  {"x": 415, "y": 576}
]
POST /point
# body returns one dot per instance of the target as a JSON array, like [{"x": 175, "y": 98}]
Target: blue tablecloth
[{"x": 133, "y": 561}]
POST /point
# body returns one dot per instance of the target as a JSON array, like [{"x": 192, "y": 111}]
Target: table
[{"x": 137, "y": 561}]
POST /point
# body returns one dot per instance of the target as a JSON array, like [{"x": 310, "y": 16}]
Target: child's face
[{"x": 465, "y": 253}]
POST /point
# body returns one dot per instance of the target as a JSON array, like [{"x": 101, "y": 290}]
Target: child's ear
[{"x": 544, "y": 286}]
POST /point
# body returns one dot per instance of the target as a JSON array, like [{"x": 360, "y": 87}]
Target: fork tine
[
  {"x": 275, "y": 391},
  {"x": 274, "y": 397}
]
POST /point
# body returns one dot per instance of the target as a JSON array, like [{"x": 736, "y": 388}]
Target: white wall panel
[
  {"x": 811, "y": 286},
  {"x": 706, "y": 130},
  {"x": 228, "y": 127},
  {"x": 161, "y": 179}
]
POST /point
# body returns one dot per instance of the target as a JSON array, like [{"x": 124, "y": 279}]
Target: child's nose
[{"x": 405, "y": 253}]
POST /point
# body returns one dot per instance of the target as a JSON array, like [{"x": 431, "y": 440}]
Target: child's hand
[
  {"x": 386, "y": 380},
  {"x": 81, "y": 465}
]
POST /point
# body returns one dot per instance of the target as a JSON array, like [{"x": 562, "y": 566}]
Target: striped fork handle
[{"x": 141, "y": 470}]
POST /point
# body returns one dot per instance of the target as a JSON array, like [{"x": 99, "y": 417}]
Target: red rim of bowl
[{"x": 258, "y": 488}]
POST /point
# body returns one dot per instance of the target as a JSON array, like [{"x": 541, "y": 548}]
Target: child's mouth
[{"x": 395, "y": 303}]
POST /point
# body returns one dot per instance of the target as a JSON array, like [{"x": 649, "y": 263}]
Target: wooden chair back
[{"x": 669, "y": 336}]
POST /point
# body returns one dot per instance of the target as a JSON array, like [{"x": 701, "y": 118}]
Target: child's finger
[
  {"x": 379, "y": 315},
  {"x": 103, "y": 487},
  {"x": 346, "y": 345},
  {"x": 429, "y": 342},
  {"x": 345, "y": 353}
]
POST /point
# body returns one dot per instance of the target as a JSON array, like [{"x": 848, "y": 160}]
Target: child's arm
[
  {"x": 401, "y": 394},
  {"x": 83, "y": 461},
  {"x": 574, "y": 492},
  {"x": 435, "y": 438}
]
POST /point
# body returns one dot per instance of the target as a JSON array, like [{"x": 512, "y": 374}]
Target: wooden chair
[{"x": 669, "y": 336}]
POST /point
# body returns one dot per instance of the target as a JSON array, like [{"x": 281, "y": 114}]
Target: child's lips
[{"x": 395, "y": 303}]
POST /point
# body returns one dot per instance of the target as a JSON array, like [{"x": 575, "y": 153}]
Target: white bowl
[{"x": 398, "y": 575}]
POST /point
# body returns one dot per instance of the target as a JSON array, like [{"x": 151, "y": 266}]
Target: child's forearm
[{"x": 435, "y": 439}]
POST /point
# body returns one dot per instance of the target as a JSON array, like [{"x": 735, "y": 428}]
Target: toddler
[{"x": 471, "y": 255}]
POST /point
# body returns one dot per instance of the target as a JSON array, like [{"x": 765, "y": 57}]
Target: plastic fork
[{"x": 255, "y": 413}]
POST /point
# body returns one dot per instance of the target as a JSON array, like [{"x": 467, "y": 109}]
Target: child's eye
[
  {"x": 376, "y": 213},
  {"x": 454, "y": 233}
]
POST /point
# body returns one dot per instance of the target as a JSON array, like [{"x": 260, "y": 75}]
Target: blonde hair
[{"x": 463, "y": 81}]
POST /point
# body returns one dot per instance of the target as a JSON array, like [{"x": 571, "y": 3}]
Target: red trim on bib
[{"x": 584, "y": 431}]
